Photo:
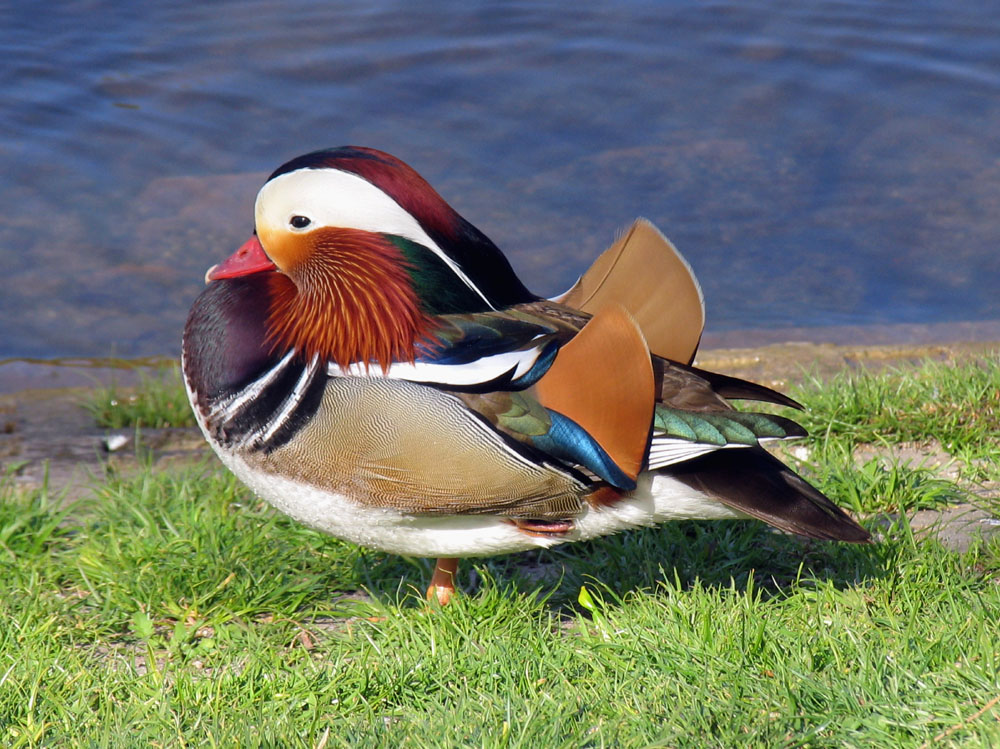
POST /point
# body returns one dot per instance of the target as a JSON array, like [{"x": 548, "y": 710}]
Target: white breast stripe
[
  {"x": 471, "y": 373},
  {"x": 288, "y": 405},
  {"x": 227, "y": 408},
  {"x": 331, "y": 197}
]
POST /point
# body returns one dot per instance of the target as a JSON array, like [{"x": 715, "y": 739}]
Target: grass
[
  {"x": 956, "y": 405},
  {"x": 175, "y": 609},
  {"x": 950, "y": 402},
  {"x": 158, "y": 401}
]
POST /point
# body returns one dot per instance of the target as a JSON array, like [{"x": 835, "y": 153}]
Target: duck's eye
[{"x": 300, "y": 222}]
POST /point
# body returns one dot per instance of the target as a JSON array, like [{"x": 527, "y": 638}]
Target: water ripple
[{"x": 821, "y": 164}]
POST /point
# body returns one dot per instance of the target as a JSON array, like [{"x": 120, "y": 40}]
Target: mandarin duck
[{"x": 369, "y": 363}]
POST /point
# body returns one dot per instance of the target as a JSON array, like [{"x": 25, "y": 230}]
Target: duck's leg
[{"x": 443, "y": 581}]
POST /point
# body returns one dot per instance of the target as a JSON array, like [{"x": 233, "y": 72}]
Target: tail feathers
[
  {"x": 734, "y": 388},
  {"x": 753, "y": 482}
]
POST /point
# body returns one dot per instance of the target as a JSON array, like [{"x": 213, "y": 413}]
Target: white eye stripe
[{"x": 332, "y": 197}]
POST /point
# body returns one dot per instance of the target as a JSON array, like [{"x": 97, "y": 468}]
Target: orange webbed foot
[{"x": 442, "y": 584}]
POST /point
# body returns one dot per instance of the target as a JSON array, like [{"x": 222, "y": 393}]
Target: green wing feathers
[{"x": 722, "y": 427}]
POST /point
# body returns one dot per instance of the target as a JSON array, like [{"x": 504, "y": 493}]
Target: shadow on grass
[{"x": 715, "y": 554}]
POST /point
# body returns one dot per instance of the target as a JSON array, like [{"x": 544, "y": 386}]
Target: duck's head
[{"x": 360, "y": 253}]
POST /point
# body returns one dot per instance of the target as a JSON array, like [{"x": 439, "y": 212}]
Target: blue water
[{"x": 820, "y": 164}]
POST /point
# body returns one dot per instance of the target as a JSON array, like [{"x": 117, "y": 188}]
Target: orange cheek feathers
[{"x": 347, "y": 298}]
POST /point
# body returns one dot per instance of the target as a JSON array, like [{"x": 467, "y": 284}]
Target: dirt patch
[
  {"x": 956, "y": 527},
  {"x": 781, "y": 364},
  {"x": 48, "y": 437}
]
